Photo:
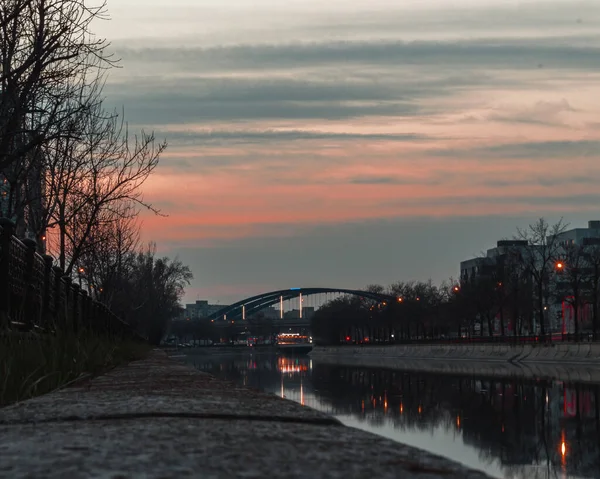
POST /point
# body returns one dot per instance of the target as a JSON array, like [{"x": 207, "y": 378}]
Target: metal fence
[{"x": 36, "y": 295}]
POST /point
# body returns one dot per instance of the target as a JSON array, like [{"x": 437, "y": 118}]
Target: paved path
[{"x": 158, "y": 418}]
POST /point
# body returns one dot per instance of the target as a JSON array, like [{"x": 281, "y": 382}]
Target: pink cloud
[{"x": 278, "y": 187}]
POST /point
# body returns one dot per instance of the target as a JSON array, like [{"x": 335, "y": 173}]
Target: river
[{"x": 505, "y": 427}]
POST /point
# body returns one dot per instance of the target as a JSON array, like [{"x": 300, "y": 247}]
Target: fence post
[
  {"x": 75, "y": 307},
  {"x": 119, "y": 325},
  {"x": 106, "y": 319},
  {"x": 68, "y": 306},
  {"x": 83, "y": 310},
  {"x": 94, "y": 316},
  {"x": 28, "y": 302},
  {"x": 102, "y": 319},
  {"x": 60, "y": 319},
  {"x": 7, "y": 228},
  {"x": 48, "y": 290}
]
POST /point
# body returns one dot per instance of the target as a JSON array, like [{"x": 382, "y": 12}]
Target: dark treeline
[
  {"x": 71, "y": 171},
  {"x": 520, "y": 291},
  {"x": 256, "y": 325}
]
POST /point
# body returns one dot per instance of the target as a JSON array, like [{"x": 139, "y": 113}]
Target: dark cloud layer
[
  {"x": 492, "y": 198},
  {"x": 197, "y": 110},
  {"x": 269, "y": 136},
  {"x": 333, "y": 81},
  {"x": 209, "y": 100},
  {"x": 538, "y": 150},
  {"x": 491, "y": 53}
]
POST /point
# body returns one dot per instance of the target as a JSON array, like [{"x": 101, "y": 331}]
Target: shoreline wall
[
  {"x": 566, "y": 362},
  {"x": 522, "y": 353}
]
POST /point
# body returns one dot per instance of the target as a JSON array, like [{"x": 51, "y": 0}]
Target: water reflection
[{"x": 508, "y": 428}]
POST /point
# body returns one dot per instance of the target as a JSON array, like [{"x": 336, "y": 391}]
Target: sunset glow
[{"x": 283, "y": 120}]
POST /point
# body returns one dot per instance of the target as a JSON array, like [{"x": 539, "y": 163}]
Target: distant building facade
[
  {"x": 482, "y": 266},
  {"x": 582, "y": 239},
  {"x": 490, "y": 268},
  {"x": 201, "y": 309},
  {"x": 307, "y": 313},
  {"x": 557, "y": 306},
  {"x": 579, "y": 236}
]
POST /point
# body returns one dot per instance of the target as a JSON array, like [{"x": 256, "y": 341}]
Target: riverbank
[
  {"x": 567, "y": 362},
  {"x": 160, "y": 418},
  {"x": 32, "y": 364}
]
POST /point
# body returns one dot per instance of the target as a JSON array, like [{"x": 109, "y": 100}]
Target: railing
[{"x": 37, "y": 296}]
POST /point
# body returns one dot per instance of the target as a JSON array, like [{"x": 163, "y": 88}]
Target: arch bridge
[{"x": 254, "y": 304}]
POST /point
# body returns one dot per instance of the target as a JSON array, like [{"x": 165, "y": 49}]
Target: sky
[{"x": 350, "y": 142}]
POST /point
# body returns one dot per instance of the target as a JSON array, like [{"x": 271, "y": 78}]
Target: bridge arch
[{"x": 261, "y": 301}]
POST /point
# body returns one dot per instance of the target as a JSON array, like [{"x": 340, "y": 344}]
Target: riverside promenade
[{"x": 158, "y": 418}]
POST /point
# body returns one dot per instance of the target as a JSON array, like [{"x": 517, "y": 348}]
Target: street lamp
[{"x": 560, "y": 267}]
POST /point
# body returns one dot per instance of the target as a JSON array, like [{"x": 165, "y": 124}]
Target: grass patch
[{"x": 32, "y": 364}]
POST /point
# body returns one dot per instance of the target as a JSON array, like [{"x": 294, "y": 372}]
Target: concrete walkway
[{"x": 158, "y": 418}]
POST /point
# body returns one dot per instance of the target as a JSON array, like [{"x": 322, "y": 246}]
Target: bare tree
[
  {"x": 97, "y": 174},
  {"x": 592, "y": 259},
  {"x": 46, "y": 47},
  {"x": 107, "y": 261},
  {"x": 42, "y": 186},
  {"x": 516, "y": 287},
  {"x": 156, "y": 287},
  {"x": 573, "y": 279},
  {"x": 539, "y": 258},
  {"x": 74, "y": 172}
]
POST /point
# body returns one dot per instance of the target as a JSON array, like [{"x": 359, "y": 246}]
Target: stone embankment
[
  {"x": 159, "y": 418},
  {"x": 569, "y": 362}
]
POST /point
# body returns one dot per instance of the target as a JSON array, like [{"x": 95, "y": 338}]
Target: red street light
[{"x": 560, "y": 265}]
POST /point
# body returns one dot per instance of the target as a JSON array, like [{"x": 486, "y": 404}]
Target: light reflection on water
[{"x": 507, "y": 428}]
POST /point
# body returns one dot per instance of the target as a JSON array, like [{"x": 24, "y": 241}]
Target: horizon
[{"x": 357, "y": 142}]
